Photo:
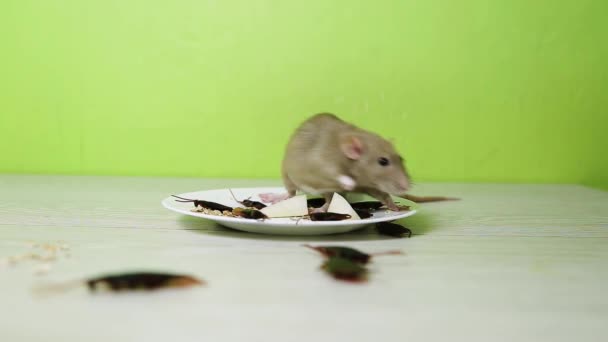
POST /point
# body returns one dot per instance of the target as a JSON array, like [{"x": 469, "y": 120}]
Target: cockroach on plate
[
  {"x": 249, "y": 213},
  {"x": 249, "y": 203},
  {"x": 205, "y": 204},
  {"x": 392, "y": 229},
  {"x": 367, "y": 205},
  {"x": 349, "y": 253},
  {"x": 363, "y": 213},
  {"x": 142, "y": 280},
  {"x": 315, "y": 202},
  {"x": 326, "y": 216},
  {"x": 345, "y": 269}
]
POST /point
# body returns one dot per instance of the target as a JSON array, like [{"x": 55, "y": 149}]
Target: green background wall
[{"x": 474, "y": 90}]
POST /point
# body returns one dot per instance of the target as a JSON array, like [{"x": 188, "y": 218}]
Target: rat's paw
[
  {"x": 397, "y": 207},
  {"x": 402, "y": 207},
  {"x": 322, "y": 209},
  {"x": 273, "y": 198}
]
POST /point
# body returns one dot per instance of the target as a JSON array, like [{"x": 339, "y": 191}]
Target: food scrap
[
  {"x": 291, "y": 207},
  {"x": 45, "y": 254},
  {"x": 340, "y": 205},
  {"x": 228, "y": 213}
]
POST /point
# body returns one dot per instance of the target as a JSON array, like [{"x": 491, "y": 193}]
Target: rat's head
[{"x": 375, "y": 163}]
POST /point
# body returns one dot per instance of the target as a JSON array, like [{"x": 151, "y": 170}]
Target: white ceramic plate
[{"x": 279, "y": 226}]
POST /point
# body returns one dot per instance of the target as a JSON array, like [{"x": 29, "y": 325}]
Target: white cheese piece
[
  {"x": 295, "y": 206},
  {"x": 340, "y": 205}
]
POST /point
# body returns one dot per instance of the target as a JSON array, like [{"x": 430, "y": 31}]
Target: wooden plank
[
  {"x": 507, "y": 263},
  {"x": 475, "y": 288}
]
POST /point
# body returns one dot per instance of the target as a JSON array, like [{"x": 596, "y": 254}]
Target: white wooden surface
[{"x": 506, "y": 263}]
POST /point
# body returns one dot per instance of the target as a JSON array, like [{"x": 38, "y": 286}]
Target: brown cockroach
[
  {"x": 393, "y": 229},
  {"x": 367, "y": 205},
  {"x": 363, "y": 213},
  {"x": 326, "y": 216},
  {"x": 127, "y": 281},
  {"x": 347, "y": 253},
  {"x": 142, "y": 280},
  {"x": 315, "y": 202},
  {"x": 248, "y": 203},
  {"x": 249, "y": 213},
  {"x": 204, "y": 204},
  {"x": 364, "y": 209},
  {"x": 345, "y": 269}
]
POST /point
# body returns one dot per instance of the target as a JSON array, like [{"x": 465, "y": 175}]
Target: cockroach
[
  {"x": 142, "y": 280},
  {"x": 249, "y": 213},
  {"x": 325, "y": 216},
  {"x": 367, "y": 205},
  {"x": 349, "y": 253},
  {"x": 205, "y": 204},
  {"x": 248, "y": 203},
  {"x": 345, "y": 269},
  {"x": 315, "y": 202},
  {"x": 393, "y": 229},
  {"x": 363, "y": 213},
  {"x": 128, "y": 281}
]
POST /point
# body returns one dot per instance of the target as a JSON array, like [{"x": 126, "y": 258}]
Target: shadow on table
[{"x": 419, "y": 224}]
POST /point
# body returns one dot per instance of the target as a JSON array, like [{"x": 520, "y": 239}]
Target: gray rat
[{"x": 326, "y": 154}]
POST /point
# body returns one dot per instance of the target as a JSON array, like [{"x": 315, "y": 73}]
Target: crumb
[
  {"x": 42, "y": 269},
  {"x": 213, "y": 212}
]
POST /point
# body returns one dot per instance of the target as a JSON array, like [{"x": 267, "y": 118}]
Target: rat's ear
[{"x": 351, "y": 146}]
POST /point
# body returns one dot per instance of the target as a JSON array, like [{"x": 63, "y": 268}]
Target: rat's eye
[{"x": 383, "y": 161}]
